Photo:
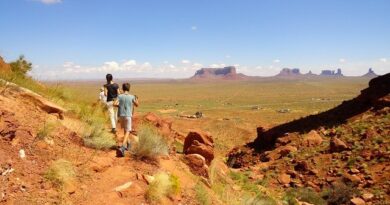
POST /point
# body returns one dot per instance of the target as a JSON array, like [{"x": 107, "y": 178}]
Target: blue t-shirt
[{"x": 126, "y": 105}]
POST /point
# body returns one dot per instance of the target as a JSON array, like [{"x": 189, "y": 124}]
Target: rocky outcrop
[
  {"x": 288, "y": 72},
  {"x": 370, "y": 74},
  {"x": 199, "y": 152},
  {"x": 226, "y": 73},
  {"x": 4, "y": 67},
  {"x": 331, "y": 73},
  {"x": 198, "y": 142},
  {"x": 35, "y": 98}
]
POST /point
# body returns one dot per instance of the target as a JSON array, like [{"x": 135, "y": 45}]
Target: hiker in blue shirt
[{"x": 126, "y": 103}]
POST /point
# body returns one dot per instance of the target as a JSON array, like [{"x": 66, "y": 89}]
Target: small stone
[
  {"x": 358, "y": 201},
  {"x": 22, "y": 154},
  {"x": 147, "y": 178},
  {"x": 355, "y": 171},
  {"x": 123, "y": 186},
  {"x": 368, "y": 196},
  {"x": 284, "y": 179}
]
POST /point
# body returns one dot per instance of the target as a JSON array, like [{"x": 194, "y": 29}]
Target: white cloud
[
  {"x": 384, "y": 60},
  {"x": 216, "y": 65},
  {"x": 228, "y": 56},
  {"x": 130, "y": 63},
  {"x": 194, "y": 28},
  {"x": 342, "y": 60},
  {"x": 276, "y": 61},
  {"x": 50, "y": 1},
  {"x": 185, "y": 61}
]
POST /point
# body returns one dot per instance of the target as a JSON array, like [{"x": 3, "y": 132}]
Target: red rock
[
  {"x": 312, "y": 139},
  {"x": 301, "y": 166},
  {"x": 285, "y": 150},
  {"x": 202, "y": 137},
  {"x": 200, "y": 143},
  {"x": 197, "y": 164},
  {"x": 284, "y": 179},
  {"x": 358, "y": 201},
  {"x": 206, "y": 151},
  {"x": 353, "y": 178},
  {"x": 336, "y": 145}
]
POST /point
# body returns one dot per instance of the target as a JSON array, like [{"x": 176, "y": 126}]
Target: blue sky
[{"x": 172, "y": 38}]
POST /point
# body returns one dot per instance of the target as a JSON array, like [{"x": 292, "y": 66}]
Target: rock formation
[
  {"x": 4, "y": 67},
  {"x": 286, "y": 72},
  {"x": 370, "y": 74},
  {"x": 332, "y": 73},
  {"x": 226, "y": 73}
]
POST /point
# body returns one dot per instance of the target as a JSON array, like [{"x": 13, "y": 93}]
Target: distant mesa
[
  {"x": 226, "y": 73},
  {"x": 287, "y": 72},
  {"x": 370, "y": 74},
  {"x": 331, "y": 73}
]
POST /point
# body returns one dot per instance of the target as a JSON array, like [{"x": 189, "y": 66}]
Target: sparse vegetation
[
  {"x": 60, "y": 172},
  {"x": 45, "y": 131},
  {"x": 98, "y": 138},
  {"x": 151, "y": 143},
  {"x": 162, "y": 185},
  {"x": 305, "y": 195},
  {"x": 202, "y": 196},
  {"x": 340, "y": 193}
]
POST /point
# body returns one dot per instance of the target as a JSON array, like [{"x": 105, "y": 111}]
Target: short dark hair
[
  {"x": 126, "y": 86},
  {"x": 109, "y": 77}
]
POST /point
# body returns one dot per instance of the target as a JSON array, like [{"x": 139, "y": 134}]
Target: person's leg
[{"x": 111, "y": 111}]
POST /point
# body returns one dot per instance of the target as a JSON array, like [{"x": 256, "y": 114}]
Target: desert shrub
[
  {"x": 45, "y": 131},
  {"x": 340, "y": 193},
  {"x": 305, "y": 195},
  {"x": 162, "y": 185},
  {"x": 97, "y": 138},
  {"x": 151, "y": 143},
  {"x": 21, "y": 66},
  {"x": 202, "y": 196},
  {"x": 60, "y": 172}
]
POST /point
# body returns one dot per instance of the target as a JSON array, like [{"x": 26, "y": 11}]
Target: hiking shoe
[
  {"x": 120, "y": 152},
  {"x": 113, "y": 130}
]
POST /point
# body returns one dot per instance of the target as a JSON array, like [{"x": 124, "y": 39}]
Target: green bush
[
  {"x": 305, "y": 195},
  {"x": 45, "y": 131},
  {"x": 151, "y": 143}
]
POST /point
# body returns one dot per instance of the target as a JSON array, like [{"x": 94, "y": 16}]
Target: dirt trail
[{"x": 98, "y": 172}]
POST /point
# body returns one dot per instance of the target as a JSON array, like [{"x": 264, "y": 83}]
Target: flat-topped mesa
[
  {"x": 289, "y": 72},
  {"x": 370, "y": 74},
  {"x": 228, "y": 72},
  {"x": 331, "y": 73}
]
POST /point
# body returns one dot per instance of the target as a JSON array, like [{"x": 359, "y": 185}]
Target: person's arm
[
  {"x": 136, "y": 103},
  {"x": 105, "y": 91}
]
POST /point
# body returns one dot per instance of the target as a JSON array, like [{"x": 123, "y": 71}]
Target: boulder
[
  {"x": 368, "y": 196},
  {"x": 285, "y": 150},
  {"x": 45, "y": 105},
  {"x": 164, "y": 126},
  {"x": 206, "y": 151},
  {"x": 312, "y": 139},
  {"x": 336, "y": 145},
  {"x": 200, "y": 143},
  {"x": 197, "y": 164}
]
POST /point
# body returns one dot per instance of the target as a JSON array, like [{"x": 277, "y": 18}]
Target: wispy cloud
[
  {"x": 276, "y": 61},
  {"x": 50, "y": 1},
  {"x": 384, "y": 60},
  {"x": 342, "y": 60},
  {"x": 194, "y": 28},
  {"x": 185, "y": 61}
]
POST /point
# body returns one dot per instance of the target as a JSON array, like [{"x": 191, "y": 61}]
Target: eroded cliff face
[{"x": 229, "y": 72}]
